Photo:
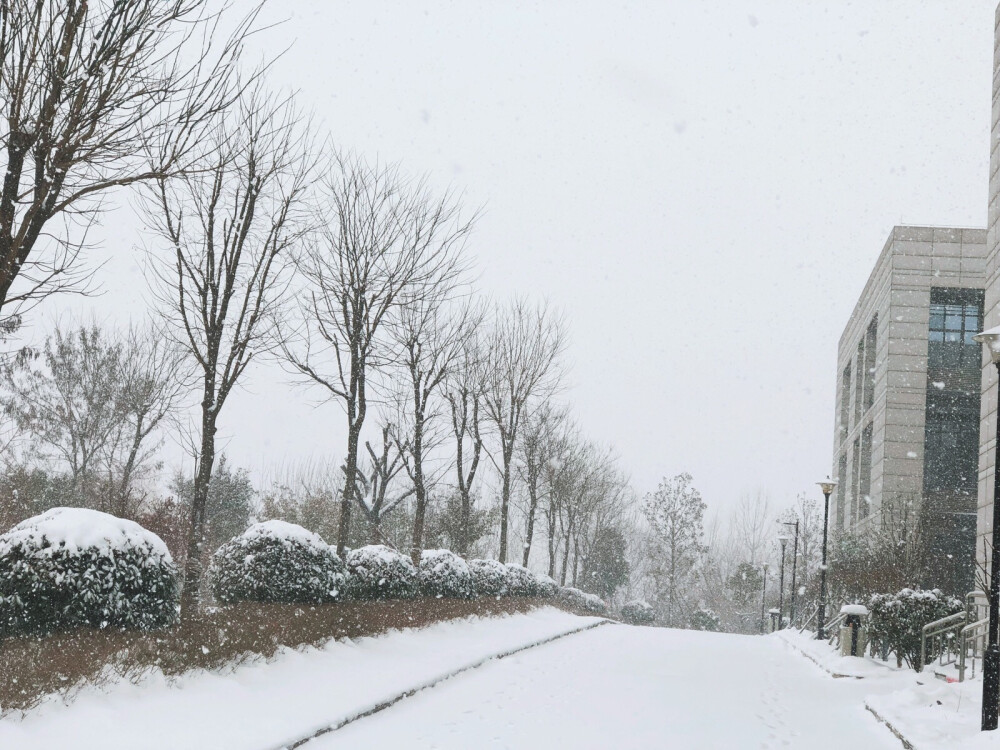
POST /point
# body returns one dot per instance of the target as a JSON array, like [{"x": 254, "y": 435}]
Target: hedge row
[{"x": 75, "y": 567}]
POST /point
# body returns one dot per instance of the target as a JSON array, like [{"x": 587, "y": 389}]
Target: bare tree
[
  {"x": 382, "y": 244},
  {"x": 675, "y": 514},
  {"x": 372, "y": 492},
  {"x": 70, "y": 401},
  {"x": 463, "y": 390},
  {"x": 520, "y": 364},
  {"x": 431, "y": 339},
  {"x": 535, "y": 448},
  {"x": 90, "y": 404},
  {"x": 153, "y": 381},
  {"x": 86, "y": 86},
  {"x": 229, "y": 225},
  {"x": 753, "y": 526}
]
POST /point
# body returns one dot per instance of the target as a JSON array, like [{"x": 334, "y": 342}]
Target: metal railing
[
  {"x": 833, "y": 628},
  {"x": 971, "y": 642},
  {"x": 942, "y": 637}
]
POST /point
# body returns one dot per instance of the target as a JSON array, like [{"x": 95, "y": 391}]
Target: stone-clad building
[{"x": 908, "y": 398}]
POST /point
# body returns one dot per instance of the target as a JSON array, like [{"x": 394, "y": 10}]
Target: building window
[
  {"x": 865, "y": 483},
  {"x": 954, "y": 323},
  {"x": 858, "y": 386},
  {"x": 841, "y": 490},
  {"x": 845, "y": 401},
  {"x": 855, "y": 477},
  {"x": 869, "y": 373}
]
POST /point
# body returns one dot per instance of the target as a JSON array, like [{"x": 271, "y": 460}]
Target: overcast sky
[{"x": 702, "y": 189}]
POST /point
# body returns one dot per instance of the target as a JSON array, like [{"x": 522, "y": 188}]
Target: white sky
[{"x": 702, "y": 188}]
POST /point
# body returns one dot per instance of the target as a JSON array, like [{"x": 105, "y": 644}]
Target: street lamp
[
  {"x": 795, "y": 555},
  {"x": 827, "y": 486},
  {"x": 763, "y": 598},
  {"x": 781, "y": 582},
  {"x": 991, "y": 656}
]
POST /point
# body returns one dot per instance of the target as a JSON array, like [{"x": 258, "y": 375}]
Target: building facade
[
  {"x": 906, "y": 434},
  {"x": 987, "y": 427}
]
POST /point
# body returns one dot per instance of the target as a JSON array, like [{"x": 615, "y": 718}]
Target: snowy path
[{"x": 624, "y": 687}]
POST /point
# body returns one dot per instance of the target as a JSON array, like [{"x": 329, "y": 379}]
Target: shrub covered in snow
[
  {"x": 277, "y": 561},
  {"x": 378, "y": 572},
  {"x": 545, "y": 587},
  {"x": 71, "y": 567},
  {"x": 896, "y": 621},
  {"x": 577, "y": 599},
  {"x": 704, "y": 619},
  {"x": 489, "y": 578},
  {"x": 638, "y": 612},
  {"x": 520, "y": 581},
  {"x": 443, "y": 573}
]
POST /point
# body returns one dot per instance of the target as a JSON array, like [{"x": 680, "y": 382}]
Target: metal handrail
[
  {"x": 969, "y": 639},
  {"x": 939, "y": 630},
  {"x": 834, "y": 626}
]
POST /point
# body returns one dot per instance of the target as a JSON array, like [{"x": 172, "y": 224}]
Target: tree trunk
[
  {"x": 191, "y": 594},
  {"x": 350, "y": 474},
  {"x": 505, "y": 499},
  {"x": 418, "y": 485},
  {"x": 530, "y": 524}
]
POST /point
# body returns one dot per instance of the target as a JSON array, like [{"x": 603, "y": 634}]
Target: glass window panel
[
  {"x": 952, "y": 336},
  {"x": 936, "y": 336},
  {"x": 953, "y": 322},
  {"x": 968, "y": 336}
]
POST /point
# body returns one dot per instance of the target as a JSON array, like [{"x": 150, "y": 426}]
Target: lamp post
[
  {"x": 827, "y": 486},
  {"x": 795, "y": 556},
  {"x": 763, "y": 598},
  {"x": 781, "y": 582},
  {"x": 991, "y": 656}
]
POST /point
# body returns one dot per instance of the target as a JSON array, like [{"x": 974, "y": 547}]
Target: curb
[
  {"x": 810, "y": 657},
  {"x": 899, "y": 735},
  {"x": 351, "y": 718}
]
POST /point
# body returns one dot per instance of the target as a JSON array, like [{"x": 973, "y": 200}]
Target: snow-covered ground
[
  {"x": 271, "y": 703},
  {"x": 628, "y": 687},
  {"x": 610, "y": 686}
]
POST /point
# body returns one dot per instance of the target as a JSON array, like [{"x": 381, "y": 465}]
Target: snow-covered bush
[
  {"x": 443, "y": 573},
  {"x": 378, "y": 572},
  {"x": 896, "y": 621},
  {"x": 489, "y": 578},
  {"x": 638, "y": 612},
  {"x": 71, "y": 567},
  {"x": 704, "y": 619},
  {"x": 275, "y": 561},
  {"x": 545, "y": 587},
  {"x": 520, "y": 581},
  {"x": 577, "y": 599}
]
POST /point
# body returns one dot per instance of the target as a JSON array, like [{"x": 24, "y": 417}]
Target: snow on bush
[
  {"x": 545, "y": 586},
  {"x": 704, "y": 619},
  {"x": 443, "y": 573},
  {"x": 275, "y": 561},
  {"x": 520, "y": 581},
  {"x": 489, "y": 578},
  {"x": 896, "y": 621},
  {"x": 71, "y": 567},
  {"x": 378, "y": 572},
  {"x": 638, "y": 612},
  {"x": 573, "y": 597}
]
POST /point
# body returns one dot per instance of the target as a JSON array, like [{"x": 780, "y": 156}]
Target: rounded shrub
[
  {"x": 577, "y": 599},
  {"x": 704, "y": 619},
  {"x": 73, "y": 567},
  {"x": 489, "y": 578},
  {"x": 638, "y": 612},
  {"x": 378, "y": 572},
  {"x": 444, "y": 574},
  {"x": 896, "y": 621},
  {"x": 545, "y": 587},
  {"x": 278, "y": 562},
  {"x": 520, "y": 581}
]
